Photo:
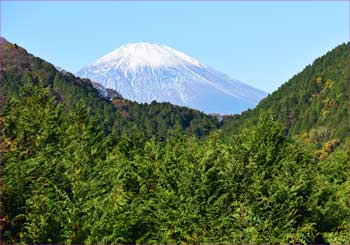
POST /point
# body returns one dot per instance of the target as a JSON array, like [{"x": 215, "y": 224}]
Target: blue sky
[{"x": 260, "y": 43}]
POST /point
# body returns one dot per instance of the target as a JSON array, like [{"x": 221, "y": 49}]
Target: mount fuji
[{"x": 144, "y": 72}]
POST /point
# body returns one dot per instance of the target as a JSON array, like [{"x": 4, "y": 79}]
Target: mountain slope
[
  {"x": 145, "y": 72},
  {"x": 317, "y": 99},
  {"x": 118, "y": 116}
]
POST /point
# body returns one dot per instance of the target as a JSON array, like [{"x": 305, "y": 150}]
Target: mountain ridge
[{"x": 119, "y": 115}]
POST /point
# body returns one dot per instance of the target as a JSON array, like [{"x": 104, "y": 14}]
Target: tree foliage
[{"x": 76, "y": 170}]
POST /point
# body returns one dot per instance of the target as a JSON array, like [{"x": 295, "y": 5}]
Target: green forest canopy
[{"x": 77, "y": 168}]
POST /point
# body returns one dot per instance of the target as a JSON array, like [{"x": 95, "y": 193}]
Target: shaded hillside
[{"x": 120, "y": 117}]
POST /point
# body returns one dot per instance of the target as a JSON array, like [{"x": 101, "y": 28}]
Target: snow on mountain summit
[
  {"x": 135, "y": 55},
  {"x": 144, "y": 72}
]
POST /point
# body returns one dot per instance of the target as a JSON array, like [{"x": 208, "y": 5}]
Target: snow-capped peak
[
  {"x": 135, "y": 55},
  {"x": 145, "y": 72}
]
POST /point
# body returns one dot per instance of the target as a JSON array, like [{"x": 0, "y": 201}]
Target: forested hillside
[
  {"x": 79, "y": 169},
  {"x": 316, "y": 99},
  {"x": 120, "y": 117}
]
